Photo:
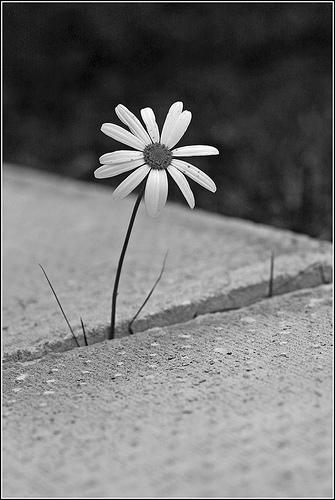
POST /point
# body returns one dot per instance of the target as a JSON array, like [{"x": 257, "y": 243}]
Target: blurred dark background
[{"x": 257, "y": 78}]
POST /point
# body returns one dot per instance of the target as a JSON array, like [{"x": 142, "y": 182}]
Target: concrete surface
[
  {"x": 75, "y": 230},
  {"x": 234, "y": 404}
]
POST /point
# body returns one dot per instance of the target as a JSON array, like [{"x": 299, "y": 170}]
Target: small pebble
[
  {"x": 51, "y": 381},
  {"x": 17, "y": 389},
  {"x": 154, "y": 344},
  {"x": 85, "y": 371},
  {"x": 120, "y": 363},
  {"x": 313, "y": 302},
  {"x": 248, "y": 319},
  {"x": 21, "y": 377},
  {"x": 28, "y": 363},
  {"x": 221, "y": 350}
]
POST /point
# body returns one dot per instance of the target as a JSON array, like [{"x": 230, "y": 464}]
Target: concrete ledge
[
  {"x": 75, "y": 231},
  {"x": 234, "y": 404}
]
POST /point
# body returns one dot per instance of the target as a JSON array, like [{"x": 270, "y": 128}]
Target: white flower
[{"x": 153, "y": 156}]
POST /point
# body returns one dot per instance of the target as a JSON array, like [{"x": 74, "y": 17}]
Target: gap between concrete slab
[{"x": 245, "y": 288}]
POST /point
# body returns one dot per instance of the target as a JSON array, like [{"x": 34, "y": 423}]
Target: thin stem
[
  {"x": 130, "y": 330},
  {"x": 60, "y": 305},
  {"x": 272, "y": 261},
  {"x": 84, "y": 331},
  {"x": 111, "y": 332}
]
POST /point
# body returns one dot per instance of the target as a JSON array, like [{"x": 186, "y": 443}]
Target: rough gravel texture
[
  {"x": 234, "y": 404},
  {"x": 75, "y": 230}
]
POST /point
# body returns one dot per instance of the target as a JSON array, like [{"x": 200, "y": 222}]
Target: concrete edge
[
  {"x": 72, "y": 186},
  {"x": 247, "y": 286}
]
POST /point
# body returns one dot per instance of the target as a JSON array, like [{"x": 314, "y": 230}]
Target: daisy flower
[{"x": 155, "y": 155}]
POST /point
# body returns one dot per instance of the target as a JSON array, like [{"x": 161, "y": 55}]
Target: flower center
[{"x": 157, "y": 156}]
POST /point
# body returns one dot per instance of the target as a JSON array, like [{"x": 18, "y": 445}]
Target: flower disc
[{"x": 157, "y": 156}]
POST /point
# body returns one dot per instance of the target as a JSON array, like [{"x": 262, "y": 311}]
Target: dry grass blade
[
  {"x": 60, "y": 305},
  {"x": 130, "y": 330},
  {"x": 270, "y": 293},
  {"x": 84, "y": 332}
]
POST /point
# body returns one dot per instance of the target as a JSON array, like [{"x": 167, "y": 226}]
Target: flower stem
[{"x": 111, "y": 332}]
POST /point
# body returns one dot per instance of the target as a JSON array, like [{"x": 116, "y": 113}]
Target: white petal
[
  {"x": 156, "y": 191},
  {"x": 195, "y": 151},
  {"x": 111, "y": 170},
  {"x": 122, "y": 135},
  {"x": 195, "y": 174},
  {"x": 171, "y": 117},
  {"x": 131, "y": 182},
  {"x": 120, "y": 156},
  {"x": 148, "y": 116},
  {"x": 182, "y": 183},
  {"x": 179, "y": 129},
  {"x": 133, "y": 123}
]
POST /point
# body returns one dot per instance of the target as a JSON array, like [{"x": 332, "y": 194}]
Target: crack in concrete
[{"x": 313, "y": 275}]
